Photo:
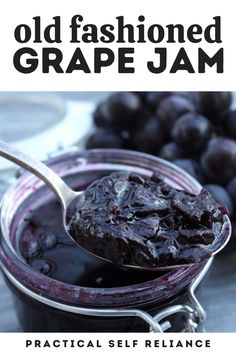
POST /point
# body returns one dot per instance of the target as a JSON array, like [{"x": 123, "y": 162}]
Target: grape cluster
[{"x": 195, "y": 130}]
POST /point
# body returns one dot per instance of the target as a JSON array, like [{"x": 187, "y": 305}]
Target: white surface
[{"x": 71, "y": 129}]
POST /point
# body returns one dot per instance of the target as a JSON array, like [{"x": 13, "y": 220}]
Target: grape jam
[{"x": 131, "y": 220}]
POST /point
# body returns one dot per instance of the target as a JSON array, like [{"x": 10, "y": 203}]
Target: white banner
[
  {"x": 119, "y": 45},
  {"x": 138, "y": 343}
]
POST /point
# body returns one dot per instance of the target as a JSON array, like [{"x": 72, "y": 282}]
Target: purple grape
[
  {"x": 100, "y": 115},
  {"x": 191, "y": 131},
  {"x": 171, "y": 108},
  {"x": 230, "y": 125},
  {"x": 219, "y": 160},
  {"x": 233, "y": 238},
  {"x": 170, "y": 152},
  {"x": 153, "y": 99},
  {"x": 140, "y": 94},
  {"x": 104, "y": 138},
  {"x": 231, "y": 189},
  {"x": 214, "y": 105},
  {"x": 121, "y": 108},
  {"x": 149, "y": 137}
]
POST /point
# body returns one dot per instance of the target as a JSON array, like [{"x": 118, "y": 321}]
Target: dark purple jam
[
  {"x": 48, "y": 249},
  {"x": 141, "y": 221}
]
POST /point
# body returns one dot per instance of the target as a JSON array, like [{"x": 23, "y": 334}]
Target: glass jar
[{"x": 167, "y": 302}]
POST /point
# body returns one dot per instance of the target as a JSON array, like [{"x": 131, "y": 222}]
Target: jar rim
[{"x": 160, "y": 288}]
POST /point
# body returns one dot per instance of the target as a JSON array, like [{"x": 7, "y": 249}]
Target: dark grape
[
  {"x": 149, "y": 137},
  {"x": 100, "y": 115},
  {"x": 191, "y": 131},
  {"x": 218, "y": 161},
  {"x": 170, "y": 152},
  {"x": 214, "y": 105},
  {"x": 192, "y": 167},
  {"x": 231, "y": 189},
  {"x": 171, "y": 108},
  {"x": 120, "y": 108},
  {"x": 141, "y": 95},
  {"x": 153, "y": 98},
  {"x": 230, "y": 125},
  {"x": 104, "y": 138},
  {"x": 221, "y": 196},
  {"x": 233, "y": 238}
]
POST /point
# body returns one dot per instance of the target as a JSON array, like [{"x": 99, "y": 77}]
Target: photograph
[{"x": 118, "y": 211}]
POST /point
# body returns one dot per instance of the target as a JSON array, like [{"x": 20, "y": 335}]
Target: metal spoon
[{"x": 66, "y": 196}]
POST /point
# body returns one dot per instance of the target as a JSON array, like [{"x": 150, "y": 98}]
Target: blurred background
[{"x": 196, "y": 131}]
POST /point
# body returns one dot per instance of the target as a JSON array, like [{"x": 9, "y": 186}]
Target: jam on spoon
[
  {"x": 133, "y": 221},
  {"x": 143, "y": 222}
]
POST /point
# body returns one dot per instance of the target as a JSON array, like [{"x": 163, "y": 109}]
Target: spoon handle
[{"x": 53, "y": 181}]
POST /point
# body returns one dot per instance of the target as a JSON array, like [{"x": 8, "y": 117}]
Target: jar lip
[{"x": 129, "y": 295}]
